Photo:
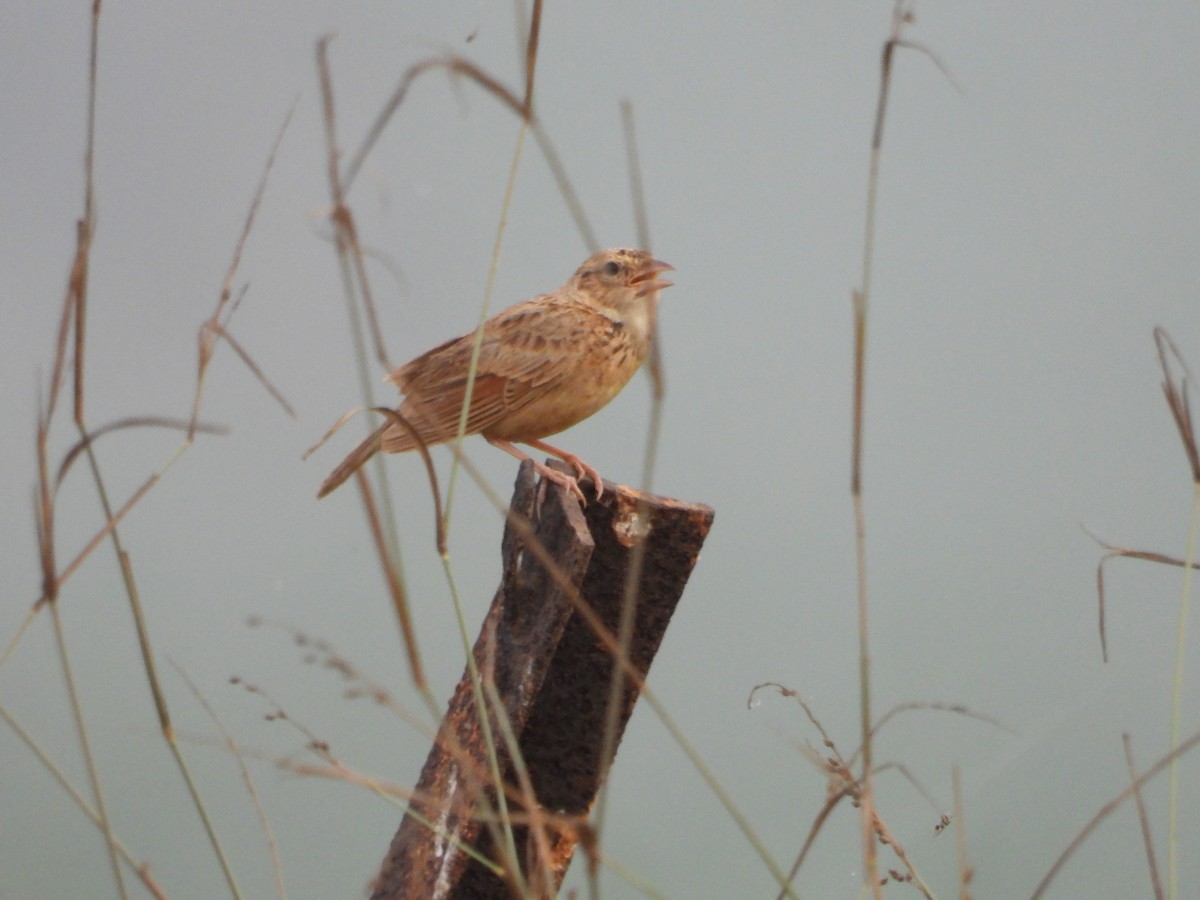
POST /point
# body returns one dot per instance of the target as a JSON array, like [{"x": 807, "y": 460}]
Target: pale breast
[{"x": 598, "y": 365}]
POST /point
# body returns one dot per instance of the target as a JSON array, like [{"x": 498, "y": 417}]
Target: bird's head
[{"x": 619, "y": 278}]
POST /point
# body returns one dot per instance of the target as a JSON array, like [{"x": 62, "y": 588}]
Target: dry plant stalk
[
  {"x": 901, "y": 15},
  {"x": 1143, "y": 819}
]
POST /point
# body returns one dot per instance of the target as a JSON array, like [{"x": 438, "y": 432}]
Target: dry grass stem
[
  {"x": 456, "y": 65},
  {"x": 900, "y": 17},
  {"x": 355, "y": 285},
  {"x": 912, "y": 876},
  {"x": 794, "y": 695},
  {"x": 966, "y": 874},
  {"x": 1143, "y": 819},
  {"x": 395, "y": 585},
  {"x": 252, "y": 792},
  {"x": 1114, "y": 551},
  {"x": 214, "y": 328},
  {"x": 633, "y": 576},
  {"x": 74, "y": 312},
  {"x": 141, "y": 869},
  {"x": 91, "y": 437},
  {"x": 534, "y": 818},
  {"x": 1107, "y": 809},
  {"x": 1175, "y": 390}
]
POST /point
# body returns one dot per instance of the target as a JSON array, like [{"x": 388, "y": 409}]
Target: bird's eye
[{"x": 611, "y": 268}]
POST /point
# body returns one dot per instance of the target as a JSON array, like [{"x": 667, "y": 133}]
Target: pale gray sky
[{"x": 1032, "y": 230}]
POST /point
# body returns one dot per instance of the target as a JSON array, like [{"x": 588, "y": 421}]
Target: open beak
[{"x": 647, "y": 281}]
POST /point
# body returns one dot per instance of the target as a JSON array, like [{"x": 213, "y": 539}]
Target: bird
[{"x": 544, "y": 365}]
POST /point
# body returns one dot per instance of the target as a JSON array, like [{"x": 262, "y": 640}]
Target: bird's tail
[{"x": 350, "y": 464}]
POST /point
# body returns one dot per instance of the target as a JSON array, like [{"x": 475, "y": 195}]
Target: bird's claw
[
  {"x": 585, "y": 472},
  {"x": 564, "y": 480}
]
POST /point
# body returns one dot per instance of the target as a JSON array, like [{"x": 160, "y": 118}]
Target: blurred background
[{"x": 1032, "y": 229}]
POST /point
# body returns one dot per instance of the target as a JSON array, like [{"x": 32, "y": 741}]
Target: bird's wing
[{"x": 527, "y": 352}]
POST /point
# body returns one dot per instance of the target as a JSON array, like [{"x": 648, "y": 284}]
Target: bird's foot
[
  {"x": 582, "y": 470},
  {"x": 562, "y": 479}
]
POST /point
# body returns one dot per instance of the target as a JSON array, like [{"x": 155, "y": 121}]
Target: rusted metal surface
[{"x": 553, "y": 676}]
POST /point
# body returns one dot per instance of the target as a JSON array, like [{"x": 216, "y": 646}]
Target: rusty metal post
[{"x": 553, "y": 677}]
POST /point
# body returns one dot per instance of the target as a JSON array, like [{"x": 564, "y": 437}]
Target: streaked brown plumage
[{"x": 544, "y": 365}]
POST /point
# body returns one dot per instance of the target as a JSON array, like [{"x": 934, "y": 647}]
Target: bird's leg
[
  {"x": 559, "y": 478},
  {"x": 582, "y": 469}
]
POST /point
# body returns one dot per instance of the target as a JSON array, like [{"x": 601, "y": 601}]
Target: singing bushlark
[{"x": 543, "y": 366}]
